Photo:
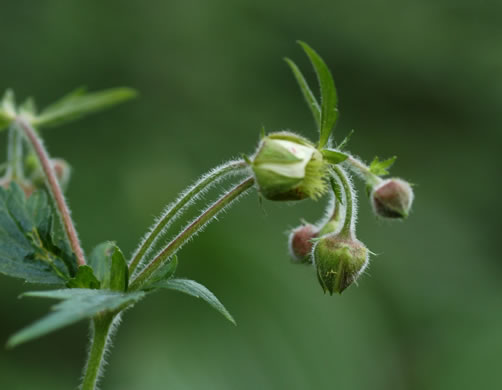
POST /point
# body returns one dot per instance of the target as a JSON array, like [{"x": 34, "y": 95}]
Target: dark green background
[{"x": 420, "y": 79}]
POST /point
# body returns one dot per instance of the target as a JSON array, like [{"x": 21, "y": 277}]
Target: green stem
[
  {"x": 363, "y": 171},
  {"x": 101, "y": 326},
  {"x": 15, "y": 155},
  {"x": 348, "y": 225},
  {"x": 184, "y": 200},
  {"x": 53, "y": 186},
  {"x": 189, "y": 231}
]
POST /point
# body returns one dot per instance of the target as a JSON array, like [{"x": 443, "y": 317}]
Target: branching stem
[
  {"x": 189, "y": 231},
  {"x": 363, "y": 170},
  {"x": 53, "y": 186}
]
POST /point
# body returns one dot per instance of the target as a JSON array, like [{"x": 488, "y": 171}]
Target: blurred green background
[{"x": 418, "y": 79}]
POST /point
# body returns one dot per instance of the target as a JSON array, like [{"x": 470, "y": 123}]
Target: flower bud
[
  {"x": 392, "y": 198},
  {"x": 339, "y": 261},
  {"x": 288, "y": 167},
  {"x": 300, "y": 243}
]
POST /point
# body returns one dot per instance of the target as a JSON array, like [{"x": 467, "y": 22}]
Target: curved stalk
[
  {"x": 101, "y": 326},
  {"x": 173, "y": 210},
  {"x": 363, "y": 170},
  {"x": 350, "y": 212},
  {"x": 53, "y": 186},
  {"x": 190, "y": 231}
]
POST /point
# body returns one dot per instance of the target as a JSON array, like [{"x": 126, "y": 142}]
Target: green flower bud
[
  {"x": 392, "y": 198},
  {"x": 339, "y": 261},
  {"x": 288, "y": 167},
  {"x": 300, "y": 243}
]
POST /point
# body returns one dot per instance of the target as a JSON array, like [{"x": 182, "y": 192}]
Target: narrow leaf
[
  {"x": 163, "y": 273},
  {"x": 345, "y": 141},
  {"x": 381, "y": 168},
  {"x": 77, "y": 304},
  {"x": 329, "y": 100},
  {"x": 337, "y": 190},
  {"x": 79, "y": 104},
  {"x": 334, "y": 156},
  {"x": 306, "y": 91},
  {"x": 196, "y": 290}
]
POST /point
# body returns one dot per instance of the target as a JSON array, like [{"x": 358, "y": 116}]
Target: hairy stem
[
  {"x": 363, "y": 170},
  {"x": 190, "y": 230},
  {"x": 184, "y": 200},
  {"x": 15, "y": 155},
  {"x": 101, "y": 326},
  {"x": 53, "y": 186},
  {"x": 348, "y": 225}
]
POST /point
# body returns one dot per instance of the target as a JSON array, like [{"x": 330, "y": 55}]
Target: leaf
[
  {"x": 329, "y": 100},
  {"x": 77, "y": 304},
  {"x": 7, "y": 109},
  {"x": 337, "y": 190},
  {"x": 163, "y": 273},
  {"x": 346, "y": 140},
  {"x": 306, "y": 91},
  {"x": 380, "y": 168},
  {"x": 196, "y": 290},
  {"x": 84, "y": 279},
  {"x": 31, "y": 247},
  {"x": 334, "y": 156},
  {"x": 79, "y": 103},
  {"x": 110, "y": 267}
]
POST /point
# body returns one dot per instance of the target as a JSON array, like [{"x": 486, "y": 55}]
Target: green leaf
[
  {"x": 31, "y": 247},
  {"x": 196, "y": 290},
  {"x": 110, "y": 267},
  {"x": 334, "y": 156},
  {"x": 380, "y": 168},
  {"x": 306, "y": 91},
  {"x": 84, "y": 279},
  {"x": 337, "y": 189},
  {"x": 77, "y": 304},
  {"x": 346, "y": 140},
  {"x": 163, "y": 273},
  {"x": 329, "y": 100},
  {"x": 79, "y": 103},
  {"x": 7, "y": 109}
]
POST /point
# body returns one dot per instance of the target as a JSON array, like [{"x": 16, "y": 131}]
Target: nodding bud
[
  {"x": 288, "y": 167},
  {"x": 300, "y": 243},
  {"x": 339, "y": 261},
  {"x": 392, "y": 198}
]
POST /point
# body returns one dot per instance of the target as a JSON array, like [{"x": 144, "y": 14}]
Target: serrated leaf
[
  {"x": 380, "y": 168},
  {"x": 84, "y": 279},
  {"x": 109, "y": 266},
  {"x": 30, "y": 247},
  {"x": 334, "y": 156},
  {"x": 329, "y": 100},
  {"x": 79, "y": 104},
  {"x": 307, "y": 92},
  {"x": 163, "y": 273},
  {"x": 196, "y": 290},
  {"x": 77, "y": 304}
]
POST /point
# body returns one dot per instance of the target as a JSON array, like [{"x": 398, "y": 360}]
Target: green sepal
[
  {"x": 79, "y": 103},
  {"x": 84, "y": 279},
  {"x": 380, "y": 168},
  {"x": 77, "y": 304},
  {"x": 329, "y": 100},
  {"x": 110, "y": 267},
  {"x": 196, "y": 290},
  {"x": 32, "y": 246},
  {"x": 306, "y": 91},
  {"x": 337, "y": 189},
  {"x": 334, "y": 156}
]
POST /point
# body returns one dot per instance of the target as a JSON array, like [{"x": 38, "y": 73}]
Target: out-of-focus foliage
[{"x": 416, "y": 79}]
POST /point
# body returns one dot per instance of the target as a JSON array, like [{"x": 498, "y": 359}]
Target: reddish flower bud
[
  {"x": 300, "y": 243},
  {"x": 392, "y": 198}
]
